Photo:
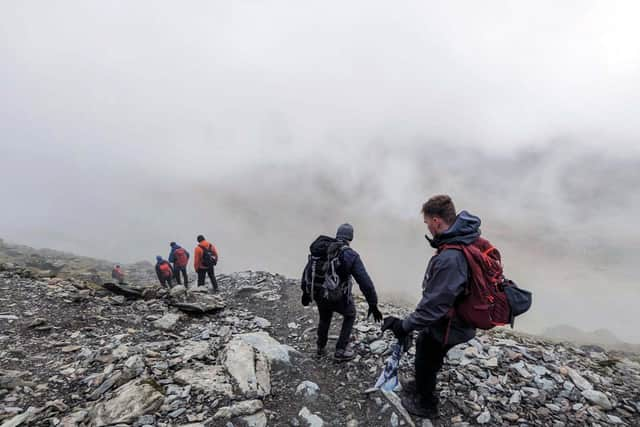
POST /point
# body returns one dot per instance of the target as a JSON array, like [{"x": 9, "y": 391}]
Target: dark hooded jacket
[
  {"x": 444, "y": 283},
  {"x": 350, "y": 265}
]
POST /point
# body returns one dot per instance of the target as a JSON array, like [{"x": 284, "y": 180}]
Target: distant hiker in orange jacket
[
  {"x": 117, "y": 274},
  {"x": 164, "y": 271},
  {"x": 205, "y": 257}
]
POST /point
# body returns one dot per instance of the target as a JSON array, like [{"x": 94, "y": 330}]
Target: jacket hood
[{"x": 465, "y": 230}]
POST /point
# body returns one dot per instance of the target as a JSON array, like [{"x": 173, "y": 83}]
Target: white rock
[
  {"x": 259, "y": 419},
  {"x": 21, "y": 418},
  {"x": 578, "y": 380},
  {"x": 120, "y": 352},
  {"x": 614, "y": 420},
  {"x": 133, "y": 399},
  {"x": 193, "y": 350},
  {"x": 248, "y": 407},
  {"x": 209, "y": 379},
  {"x": 484, "y": 417},
  {"x": 516, "y": 397},
  {"x": 378, "y": 347},
  {"x": 312, "y": 420},
  {"x": 177, "y": 291},
  {"x": 520, "y": 369},
  {"x": 598, "y": 398},
  {"x": 74, "y": 420},
  {"x": 167, "y": 322},
  {"x": 262, "y": 322},
  {"x": 240, "y": 362},
  {"x": 394, "y": 421},
  {"x": 308, "y": 389},
  {"x": 268, "y": 346}
]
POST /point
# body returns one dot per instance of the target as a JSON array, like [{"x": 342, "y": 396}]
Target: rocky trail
[{"x": 73, "y": 353}]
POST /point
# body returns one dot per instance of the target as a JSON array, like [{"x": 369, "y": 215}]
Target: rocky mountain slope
[{"x": 73, "y": 353}]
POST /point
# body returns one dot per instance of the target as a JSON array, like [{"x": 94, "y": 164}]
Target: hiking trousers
[
  {"x": 177, "y": 270},
  {"x": 347, "y": 309},
  {"x": 166, "y": 282},
  {"x": 430, "y": 354},
  {"x": 203, "y": 272}
]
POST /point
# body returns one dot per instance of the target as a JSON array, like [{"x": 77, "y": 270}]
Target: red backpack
[
  {"x": 165, "y": 270},
  {"x": 181, "y": 259},
  {"x": 485, "y": 303}
]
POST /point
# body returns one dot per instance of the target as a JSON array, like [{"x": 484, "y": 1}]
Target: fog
[{"x": 124, "y": 126}]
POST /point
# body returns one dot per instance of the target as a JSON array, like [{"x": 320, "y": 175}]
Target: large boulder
[
  {"x": 209, "y": 379},
  {"x": 274, "y": 351},
  {"x": 248, "y": 367},
  {"x": 133, "y": 399}
]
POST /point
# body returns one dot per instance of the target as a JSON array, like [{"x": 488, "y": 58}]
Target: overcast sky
[{"x": 125, "y": 125}]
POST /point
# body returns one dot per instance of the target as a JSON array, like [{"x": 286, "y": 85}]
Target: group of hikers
[
  {"x": 175, "y": 266},
  {"x": 463, "y": 289}
]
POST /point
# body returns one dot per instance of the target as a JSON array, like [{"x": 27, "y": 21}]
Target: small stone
[
  {"x": 308, "y": 389},
  {"x": 395, "y": 422},
  {"x": 484, "y": 417},
  {"x": 598, "y": 398},
  {"x": 378, "y": 347},
  {"x": 262, "y": 322},
  {"x": 311, "y": 419},
  {"x": 167, "y": 322},
  {"x": 614, "y": 420},
  {"x": 578, "y": 380}
]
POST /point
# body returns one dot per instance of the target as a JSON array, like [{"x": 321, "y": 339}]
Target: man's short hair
[
  {"x": 200, "y": 238},
  {"x": 442, "y": 206}
]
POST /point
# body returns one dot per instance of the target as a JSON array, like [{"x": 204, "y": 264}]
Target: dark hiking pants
[
  {"x": 429, "y": 357},
  {"x": 166, "y": 282},
  {"x": 344, "y": 307},
  {"x": 203, "y": 272},
  {"x": 177, "y": 270}
]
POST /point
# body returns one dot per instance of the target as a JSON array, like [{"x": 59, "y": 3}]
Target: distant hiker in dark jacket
[
  {"x": 117, "y": 274},
  {"x": 350, "y": 264},
  {"x": 179, "y": 257},
  {"x": 205, "y": 258},
  {"x": 164, "y": 271},
  {"x": 444, "y": 283}
]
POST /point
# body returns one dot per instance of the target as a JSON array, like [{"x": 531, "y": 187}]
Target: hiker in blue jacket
[
  {"x": 444, "y": 283},
  {"x": 350, "y": 265}
]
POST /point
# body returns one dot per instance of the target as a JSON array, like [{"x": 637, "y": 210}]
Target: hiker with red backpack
[
  {"x": 117, "y": 274},
  {"x": 463, "y": 289},
  {"x": 164, "y": 271},
  {"x": 204, "y": 261},
  {"x": 179, "y": 257}
]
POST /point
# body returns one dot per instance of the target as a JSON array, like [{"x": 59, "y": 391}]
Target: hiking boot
[
  {"x": 321, "y": 351},
  {"x": 420, "y": 407},
  {"x": 343, "y": 355}
]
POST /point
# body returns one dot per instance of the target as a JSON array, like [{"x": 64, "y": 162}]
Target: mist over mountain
[{"x": 262, "y": 126}]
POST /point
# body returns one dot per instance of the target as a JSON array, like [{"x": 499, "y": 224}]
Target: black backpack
[
  {"x": 323, "y": 264},
  {"x": 208, "y": 258}
]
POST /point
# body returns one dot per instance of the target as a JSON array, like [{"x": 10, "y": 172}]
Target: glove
[
  {"x": 377, "y": 316},
  {"x": 306, "y": 299},
  {"x": 395, "y": 325}
]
